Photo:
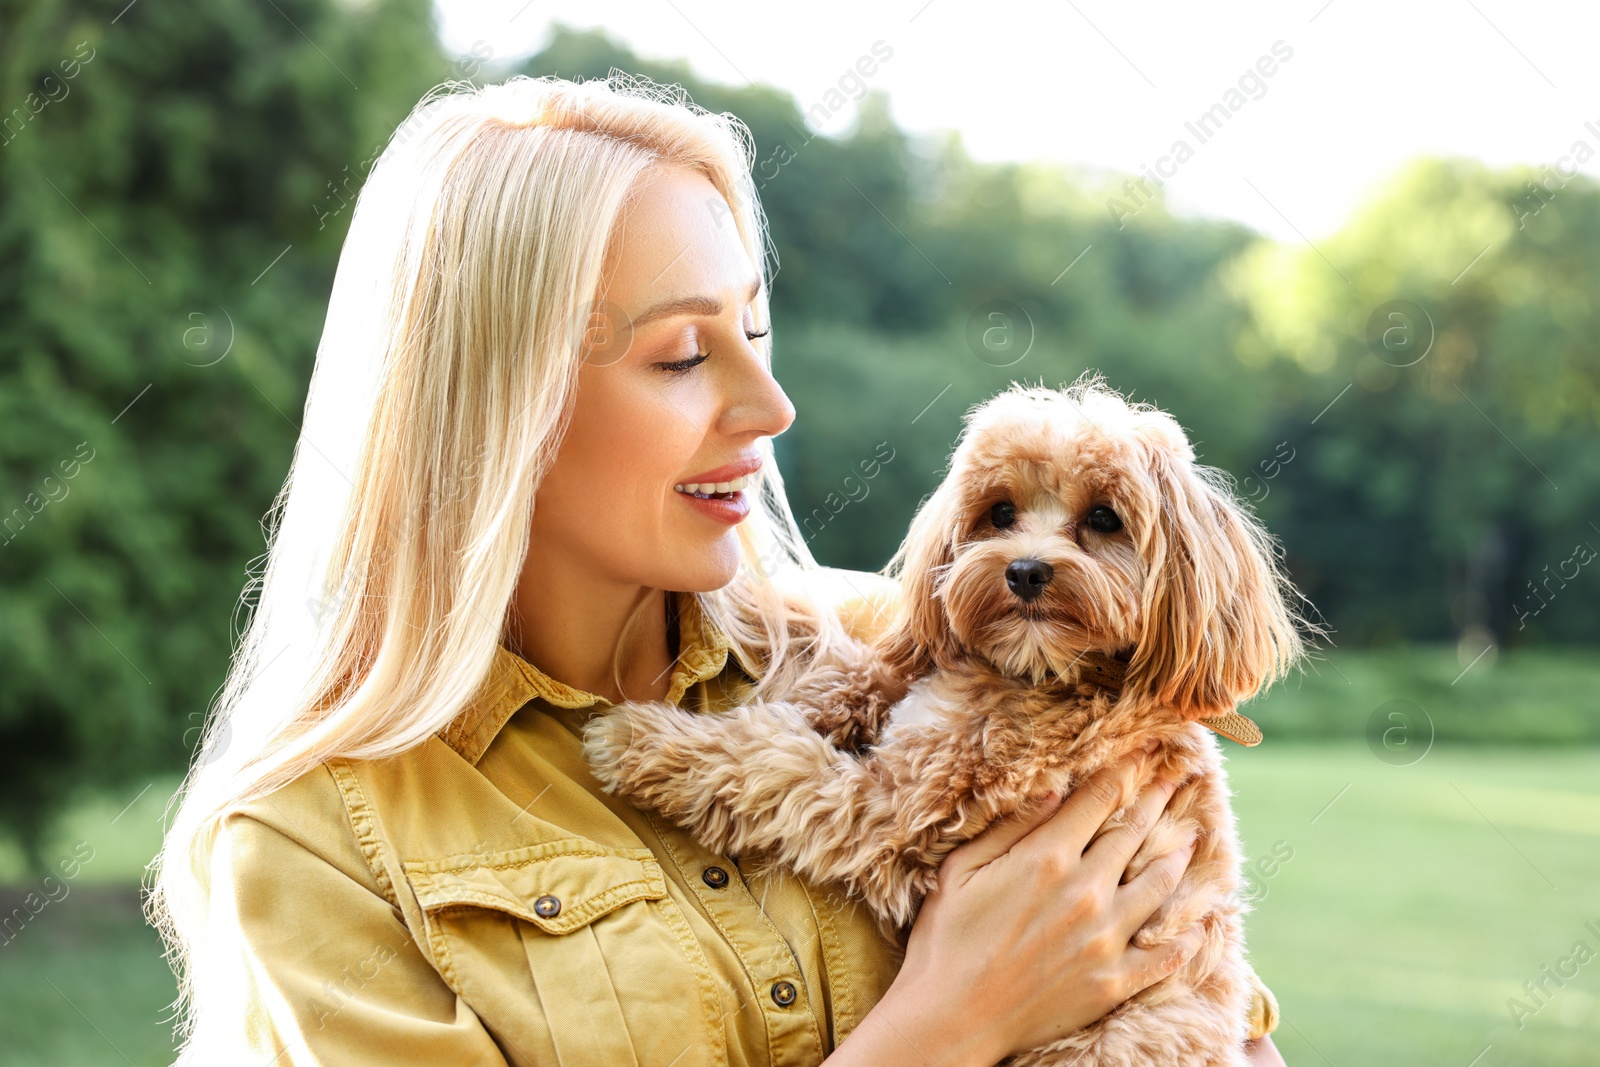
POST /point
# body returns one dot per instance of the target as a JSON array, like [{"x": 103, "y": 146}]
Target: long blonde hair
[{"x": 442, "y": 388}]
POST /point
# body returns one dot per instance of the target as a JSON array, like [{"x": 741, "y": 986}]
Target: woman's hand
[
  {"x": 1263, "y": 1053},
  {"x": 1026, "y": 938}
]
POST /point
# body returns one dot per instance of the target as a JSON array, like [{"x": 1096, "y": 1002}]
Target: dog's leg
[
  {"x": 759, "y": 779},
  {"x": 849, "y": 702}
]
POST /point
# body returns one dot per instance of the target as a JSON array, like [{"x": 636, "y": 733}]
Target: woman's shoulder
[
  {"x": 341, "y": 809},
  {"x": 303, "y": 825},
  {"x": 864, "y": 600}
]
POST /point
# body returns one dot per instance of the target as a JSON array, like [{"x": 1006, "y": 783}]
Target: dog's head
[{"x": 1072, "y": 521}]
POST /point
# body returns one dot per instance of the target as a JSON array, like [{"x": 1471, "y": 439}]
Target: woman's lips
[
  {"x": 730, "y": 508},
  {"x": 723, "y": 501},
  {"x": 708, "y": 488}
]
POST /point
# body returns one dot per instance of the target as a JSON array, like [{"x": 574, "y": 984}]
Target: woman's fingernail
[{"x": 1151, "y": 745}]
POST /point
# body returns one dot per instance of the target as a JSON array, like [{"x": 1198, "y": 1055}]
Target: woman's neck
[{"x": 569, "y": 627}]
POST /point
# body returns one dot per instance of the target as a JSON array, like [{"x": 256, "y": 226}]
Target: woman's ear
[
  {"x": 1215, "y": 620},
  {"x": 919, "y": 638}
]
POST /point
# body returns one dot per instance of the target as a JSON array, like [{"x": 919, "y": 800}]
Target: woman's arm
[
  {"x": 326, "y": 971},
  {"x": 1026, "y": 938}
]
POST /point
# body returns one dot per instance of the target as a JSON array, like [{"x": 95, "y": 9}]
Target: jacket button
[
  {"x": 547, "y": 907},
  {"x": 715, "y": 877},
  {"x": 783, "y": 993}
]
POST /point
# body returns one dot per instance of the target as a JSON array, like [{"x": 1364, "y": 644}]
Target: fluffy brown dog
[{"x": 1076, "y": 587}]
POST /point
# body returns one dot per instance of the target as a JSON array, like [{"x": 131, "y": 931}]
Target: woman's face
[{"x": 673, "y": 393}]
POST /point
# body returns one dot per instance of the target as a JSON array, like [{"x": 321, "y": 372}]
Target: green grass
[
  {"x": 1417, "y": 900},
  {"x": 84, "y": 983}
]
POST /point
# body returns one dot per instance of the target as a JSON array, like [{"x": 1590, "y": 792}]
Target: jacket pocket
[
  {"x": 578, "y": 882},
  {"x": 572, "y": 953}
]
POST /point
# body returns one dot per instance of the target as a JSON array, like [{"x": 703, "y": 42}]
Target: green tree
[
  {"x": 1438, "y": 496},
  {"x": 168, "y": 234}
]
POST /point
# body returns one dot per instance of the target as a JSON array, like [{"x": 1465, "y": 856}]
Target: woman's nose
[{"x": 758, "y": 403}]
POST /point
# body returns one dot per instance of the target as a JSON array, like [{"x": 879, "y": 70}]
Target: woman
[{"x": 546, "y": 334}]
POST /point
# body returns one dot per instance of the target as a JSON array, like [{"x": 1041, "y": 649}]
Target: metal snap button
[
  {"x": 783, "y": 993},
  {"x": 715, "y": 877},
  {"x": 547, "y": 907}
]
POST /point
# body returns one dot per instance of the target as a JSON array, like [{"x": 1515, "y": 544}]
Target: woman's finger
[
  {"x": 1144, "y": 967},
  {"x": 1143, "y": 896},
  {"x": 998, "y": 838},
  {"x": 1112, "y": 851},
  {"x": 1069, "y": 831}
]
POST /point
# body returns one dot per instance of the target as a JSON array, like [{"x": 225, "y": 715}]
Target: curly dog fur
[{"x": 1077, "y": 586}]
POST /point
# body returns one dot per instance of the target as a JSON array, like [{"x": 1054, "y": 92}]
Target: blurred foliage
[
  {"x": 171, "y": 213},
  {"x": 154, "y": 169},
  {"x": 1402, "y": 698},
  {"x": 1455, "y": 488}
]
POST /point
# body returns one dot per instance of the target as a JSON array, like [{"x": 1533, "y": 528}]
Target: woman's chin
[{"x": 707, "y": 566}]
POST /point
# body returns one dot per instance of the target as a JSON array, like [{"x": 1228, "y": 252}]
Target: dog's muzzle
[{"x": 1028, "y": 577}]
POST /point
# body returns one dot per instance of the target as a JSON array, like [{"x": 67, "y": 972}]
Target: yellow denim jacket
[{"x": 479, "y": 900}]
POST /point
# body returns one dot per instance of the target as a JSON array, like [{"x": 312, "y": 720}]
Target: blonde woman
[{"x": 535, "y": 476}]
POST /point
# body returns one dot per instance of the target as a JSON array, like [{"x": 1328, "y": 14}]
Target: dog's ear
[
  {"x": 1215, "y": 620},
  {"x": 919, "y": 637}
]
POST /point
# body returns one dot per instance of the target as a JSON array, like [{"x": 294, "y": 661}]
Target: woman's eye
[
  {"x": 1003, "y": 514},
  {"x": 678, "y": 366},
  {"x": 1104, "y": 519},
  {"x": 754, "y": 336}
]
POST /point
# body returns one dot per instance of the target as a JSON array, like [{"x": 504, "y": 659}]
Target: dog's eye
[
  {"x": 1104, "y": 519},
  {"x": 1003, "y": 514}
]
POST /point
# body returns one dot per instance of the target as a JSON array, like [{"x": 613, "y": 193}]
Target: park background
[{"x": 1411, "y": 404}]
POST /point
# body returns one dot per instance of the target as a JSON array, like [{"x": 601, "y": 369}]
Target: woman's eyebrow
[{"x": 689, "y": 305}]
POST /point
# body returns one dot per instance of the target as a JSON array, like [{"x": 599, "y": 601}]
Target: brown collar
[
  {"x": 1106, "y": 671},
  {"x": 1109, "y": 673}
]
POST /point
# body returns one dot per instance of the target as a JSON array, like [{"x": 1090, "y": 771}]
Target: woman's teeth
[{"x": 705, "y": 489}]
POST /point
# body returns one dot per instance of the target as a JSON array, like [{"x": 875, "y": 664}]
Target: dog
[{"x": 1077, "y": 586}]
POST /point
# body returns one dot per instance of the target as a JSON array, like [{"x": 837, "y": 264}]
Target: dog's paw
[
  {"x": 633, "y": 749},
  {"x": 607, "y": 740}
]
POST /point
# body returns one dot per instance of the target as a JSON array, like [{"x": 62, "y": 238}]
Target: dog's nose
[{"x": 1028, "y": 577}]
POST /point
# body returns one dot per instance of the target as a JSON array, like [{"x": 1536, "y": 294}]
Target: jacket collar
[{"x": 512, "y": 681}]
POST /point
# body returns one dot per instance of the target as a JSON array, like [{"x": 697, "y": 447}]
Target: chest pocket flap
[
  {"x": 590, "y": 984},
  {"x": 558, "y": 886}
]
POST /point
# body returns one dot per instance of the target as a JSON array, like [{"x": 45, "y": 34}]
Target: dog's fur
[{"x": 976, "y": 702}]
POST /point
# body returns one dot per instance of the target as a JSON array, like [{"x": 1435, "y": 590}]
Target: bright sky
[{"x": 1366, "y": 85}]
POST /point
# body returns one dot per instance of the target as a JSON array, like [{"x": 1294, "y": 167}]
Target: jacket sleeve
[
  {"x": 326, "y": 969},
  {"x": 1263, "y": 1008}
]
